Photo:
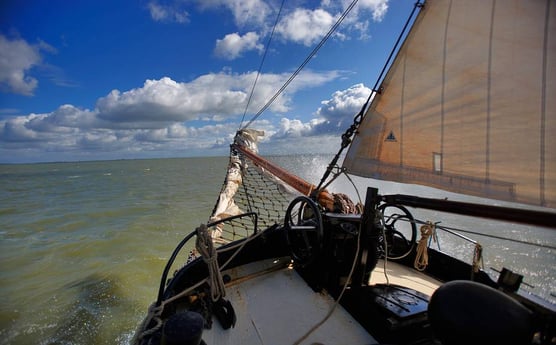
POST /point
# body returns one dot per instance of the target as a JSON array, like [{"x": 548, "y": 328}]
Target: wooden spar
[{"x": 325, "y": 199}]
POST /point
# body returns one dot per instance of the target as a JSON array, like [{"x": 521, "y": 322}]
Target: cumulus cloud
[
  {"x": 296, "y": 128},
  {"x": 233, "y": 45},
  {"x": 161, "y": 102},
  {"x": 66, "y": 116},
  {"x": 245, "y": 12},
  {"x": 378, "y": 8},
  {"x": 305, "y": 26},
  {"x": 334, "y": 117},
  {"x": 17, "y": 58},
  {"x": 156, "y": 116},
  {"x": 172, "y": 12},
  {"x": 308, "y": 26},
  {"x": 301, "y": 25},
  {"x": 15, "y": 130},
  {"x": 344, "y": 103},
  {"x": 215, "y": 96}
]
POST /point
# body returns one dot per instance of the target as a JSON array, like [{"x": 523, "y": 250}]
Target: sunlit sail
[{"x": 467, "y": 105}]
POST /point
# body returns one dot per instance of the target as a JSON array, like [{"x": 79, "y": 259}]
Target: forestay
[{"x": 468, "y": 104}]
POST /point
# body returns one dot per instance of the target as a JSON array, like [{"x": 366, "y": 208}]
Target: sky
[{"x": 124, "y": 79}]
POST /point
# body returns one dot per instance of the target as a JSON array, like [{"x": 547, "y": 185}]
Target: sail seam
[
  {"x": 402, "y": 109},
  {"x": 443, "y": 90},
  {"x": 489, "y": 94},
  {"x": 542, "y": 167}
]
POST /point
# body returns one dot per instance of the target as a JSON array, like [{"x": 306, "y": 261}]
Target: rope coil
[
  {"x": 205, "y": 246},
  {"x": 422, "y": 257},
  {"x": 154, "y": 313}
]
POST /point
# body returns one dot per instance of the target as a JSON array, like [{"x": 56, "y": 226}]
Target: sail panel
[{"x": 467, "y": 105}]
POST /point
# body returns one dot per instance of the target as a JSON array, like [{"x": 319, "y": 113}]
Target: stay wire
[
  {"x": 347, "y": 136},
  {"x": 262, "y": 62},
  {"x": 305, "y": 62},
  {"x": 455, "y": 231}
]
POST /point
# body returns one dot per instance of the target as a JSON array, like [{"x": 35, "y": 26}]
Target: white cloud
[
  {"x": 17, "y": 58},
  {"x": 344, "y": 103},
  {"x": 378, "y": 8},
  {"x": 245, "y": 12},
  {"x": 334, "y": 117},
  {"x": 301, "y": 25},
  {"x": 168, "y": 13},
  {"x": 296, "y": 128},
  {"x": 215, "y": 96},
  {"x": 161, "y": 102},
  {"x": 305, "y": 26},
  {"x": 154, "y": 118},
  {"x": 308, "y": 26},
  {"x": 66, "y": 116},
  {"x": 15, "y": 130},
  {"x": 233, "y": 45}
]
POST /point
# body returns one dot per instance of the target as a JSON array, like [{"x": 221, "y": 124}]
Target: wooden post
[{"x": 360, "y": 275}]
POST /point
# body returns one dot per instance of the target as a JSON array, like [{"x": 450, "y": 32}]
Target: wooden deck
[
  {"x": 278, "y": 307},
  {"x": 404, "y": 276},
  {"x": 274, "y": 305}
]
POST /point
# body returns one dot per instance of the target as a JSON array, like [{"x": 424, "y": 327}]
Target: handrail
[{"x": 184, "y": 241}]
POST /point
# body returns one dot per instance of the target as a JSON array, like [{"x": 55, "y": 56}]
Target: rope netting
[{"x": 248, "y": 189}]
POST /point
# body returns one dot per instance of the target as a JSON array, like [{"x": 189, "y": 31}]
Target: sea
[{"x": 83, "y": 244}]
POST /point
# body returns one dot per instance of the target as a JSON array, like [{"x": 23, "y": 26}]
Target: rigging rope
[
  {"x": 337, "y": 301},
  {"x": 454, "y": 231},
  {"x": 540, "y": 245},
  {"x": 262, "y": 62},
  {"x": 155, "y": 310},
  {"x": 305, "y": 62},
  {"x": 346, "y": 137},
  {"x": 348, "y": 279}
]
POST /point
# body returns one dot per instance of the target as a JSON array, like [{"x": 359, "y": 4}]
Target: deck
[{"x": 270, "y": 297}]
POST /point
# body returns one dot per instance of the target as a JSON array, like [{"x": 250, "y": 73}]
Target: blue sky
[{"x": 91, "y": 80}]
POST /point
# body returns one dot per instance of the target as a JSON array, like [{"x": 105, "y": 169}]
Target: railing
[{"x": 185, "y": 240}]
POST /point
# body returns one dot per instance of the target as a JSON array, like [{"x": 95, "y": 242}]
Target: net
[{"x": 250, "y": 190}]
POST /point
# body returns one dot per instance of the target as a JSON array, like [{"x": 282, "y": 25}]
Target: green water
[{"x": 83, "y": 245}]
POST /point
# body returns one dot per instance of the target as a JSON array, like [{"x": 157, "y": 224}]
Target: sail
[{"x": 469, "y": 103}]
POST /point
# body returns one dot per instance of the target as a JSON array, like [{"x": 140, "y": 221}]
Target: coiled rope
[
  {"x": 422, "y": 257},
  {"x": 155, "y": 311},
  {"x": 206, "y": 248}
]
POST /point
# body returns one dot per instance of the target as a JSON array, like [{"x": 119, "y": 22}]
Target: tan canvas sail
[{"x": 469, "y": 104}]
